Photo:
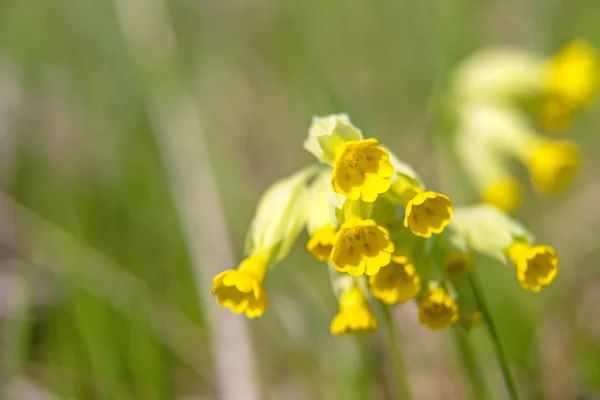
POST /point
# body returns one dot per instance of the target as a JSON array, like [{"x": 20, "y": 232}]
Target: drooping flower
[
  {"x": 362, "y": 170},
  {"x": 241, "y": 290},
  {"x": 571, "y": 81},
  {"x": 354, "y": 315},
  {"x": 552, "y": 164},
  {"x": 361, "y": 247},
  {"x": 321, "y": 243},
  {"x": 428, "y": 213},
  {"x": 397, "y": 282},
  {"x": 505, "y": 193},
  {"x": 537, "y": 266},
  {"x": 437, "y": 310}
]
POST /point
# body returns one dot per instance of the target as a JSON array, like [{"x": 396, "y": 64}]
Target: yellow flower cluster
[
  {"x": 498, "y": 94},
  {"x": 364, "y": 210},
  {"x": 381, "y": 234}
]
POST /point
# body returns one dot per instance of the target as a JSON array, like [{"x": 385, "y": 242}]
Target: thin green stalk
[
  {"x": 15, "y": 341},
  {"x": 399, "y": 372},
  {"x": 469, "y": 362},
  {"x": 481, "y": 303}
]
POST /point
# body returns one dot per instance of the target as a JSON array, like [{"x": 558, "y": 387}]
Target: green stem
[
  {"x": 469, "y": 362},
  {"x": 481, "y": 303},
  {"x": 16, "y": 335},
  {"x": 399, "y": 372}
]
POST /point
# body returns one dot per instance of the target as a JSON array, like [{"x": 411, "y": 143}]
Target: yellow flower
[
  {"x": 506, "y": 194},
  {"x": 437, "y": 310},
  {"x": 552, "y": 164},
  {"x": 455, "y": 262},
  {"x": 361, "y": 247},
  {"x": 571, "y": 83},
  {"x": 362, "y": 169},
  {"x": 321, "y": 243},
  {"x": 354, "y": 315},
  {"x": 536, "y": 265},
  {"x": 241, "y": 290},
  {"x": 427, "y": 213},
  {"x": 398, "y": 282}
]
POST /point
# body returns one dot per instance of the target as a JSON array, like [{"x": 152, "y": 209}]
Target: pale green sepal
[
  {"x": 488, "y": 230},
  {"x": 280, "y": 215},
  {"x": 327, "y": 134}
]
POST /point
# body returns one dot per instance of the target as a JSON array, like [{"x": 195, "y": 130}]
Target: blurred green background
[{"x": 136, "y": 137}]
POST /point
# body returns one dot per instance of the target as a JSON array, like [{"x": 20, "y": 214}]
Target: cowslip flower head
[
  {"x": 354, "y": 315},
  {"x": 427, "y": 213},
  {"x": 437, "y": 310},
  {"x": 361, "y": 170},
  {"x": 552, "y": 164},
  {"x": 280, "y": 215},
  {"x": 361, "y": 247},
  {"x": 396, "y": 283},
  {"x": 327, "y": 134},
  {"x": 241, "y": 290},
  {"x": 505, "y": 193},
  {"x": 321, "y": 243},
  {"x": 537, "y": 266},
  {"x": 571, "y": 81}
]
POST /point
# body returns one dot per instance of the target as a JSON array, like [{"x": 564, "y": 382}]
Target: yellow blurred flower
[
  {"x": 455, "y": 262},
  {"x": 362, "y": 169},
  {"x": 354, "y": 315},
  {"x": 241, "y": 290},
  {"x": 537, "y": 266},
  {"x": 427, "y": 213},
  {"x": 398, "y": 282},
  {"x": 321, "y": 243},
  {"x": 361, "y": 247},
  {"x": 505, "y": 193},
  {"x": 571, "y": 83},
  {"x": 552, "y": 164},
  {"x": 437, "y": 310}
]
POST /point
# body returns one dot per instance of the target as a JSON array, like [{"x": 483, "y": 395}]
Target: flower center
[
  {"x": 355, "y": 161},
  {"x": 539, "y": 267},
  {"x": 356, "y": 237}
]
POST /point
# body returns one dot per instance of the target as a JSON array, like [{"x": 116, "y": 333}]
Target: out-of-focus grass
[{"x": 86, "y": 159}]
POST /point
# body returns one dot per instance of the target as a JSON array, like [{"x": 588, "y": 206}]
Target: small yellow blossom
[
  {"x": 361, "y": 247},
  {"x": 571, "y": 83},
  {"x": 437, "y": 310},
  {"x": 354, "y": 315},
  {"x": 362, "y": 169},
  {"x": 536, "y": 265},
  {"x": 321, "y": 243},
  {"x": 398, "y": 282},
  {"x": 506, "y": 194},
  {"x": 552, "y": 164},
  {"x": 241, "y": 290},
  {"x": 427, "y": 213},
  {"x": 455, "y": 262}
]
